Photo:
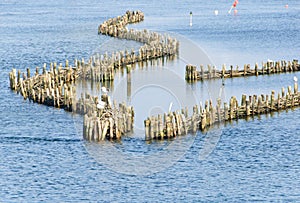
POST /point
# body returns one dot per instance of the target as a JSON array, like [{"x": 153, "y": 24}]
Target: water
[{"x": 43, "y": 157}]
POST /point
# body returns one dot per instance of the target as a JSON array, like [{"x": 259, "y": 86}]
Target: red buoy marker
[{"x": 233, "y": 6}]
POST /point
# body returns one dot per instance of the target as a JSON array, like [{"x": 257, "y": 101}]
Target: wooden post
[
  {"x": 85, "y": 126},
  {"x": 36, "y": 71},
  {"x": 99, "y": 130},
  {"x": 111, "y": 127},
  {"x": 267, "y": 104},
  {"x": 209, "y": 71},
  {"x": 268, "y": 68},
  {"x": 105, "y": 128},
  {"x": 295, "y": 88},
  {"x": 247, "y": 108},
  {"x": 178, "y": 123},
  {"x": 160, "y": 127},
  {"x": 194, "y": 123},
  {"x": 214, "y": 72},
  {"x": 203, "y": 120},
  {"x": 235, "y": 107},
  {"x": 223, "y": 71},
  {"x": 194, "y": 73},
  {"x": 278, "y": 102},
  {"x": 187, "y": 72},
  {"x": 174, "y": 128},
  {"x": 259, "y": 105},
  {"x": 282, "y": 92},
  {"x": 254, "y": 104},
  {"x": 28, "y": 73},
  {"x": 226, "y": 116},
  {"x": 289, "y": 90},
  {"x": 183, "y": 126},
  {"x": 231, "y": 109},
  {"x": 244, "y": 97},
  {"x": 202, "y": 72},
  {"x": 44, "y": 68},
  {"x": 272, "y": 100},
  {"x": 19, "y": 75},
  {"x": 218, "y": 107},
  {"x": 256, "y": 69},
  {"x": 211, "y": 113},
  {"x": 168, "y": 126}
]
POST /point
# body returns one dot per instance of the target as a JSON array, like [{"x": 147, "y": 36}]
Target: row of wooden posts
[
  {"x": 51, "y": 88},
  {"x": 101, "y": 68},
  {"x": 104, "y": 120},
  {"x": 270, "y": 67},
  {"x": 56, "y": 88},
  {"x": 155, "y": 45},
  {"x": 180, "y": 123},
  {"x": 116, "y": 27}
]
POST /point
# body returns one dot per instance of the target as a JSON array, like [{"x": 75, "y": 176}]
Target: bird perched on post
[
  {"x": 295, "y": 79},
  {"x": 101, "y": 105},
  {"x": 104, "y": 89}
]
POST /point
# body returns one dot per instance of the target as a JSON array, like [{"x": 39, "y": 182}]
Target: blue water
[{"x": 44, "y": 159}]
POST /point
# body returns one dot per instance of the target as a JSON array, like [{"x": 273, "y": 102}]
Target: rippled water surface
[{"x": 44, "y": 159}]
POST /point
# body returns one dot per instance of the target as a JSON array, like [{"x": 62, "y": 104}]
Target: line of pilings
[
  {"x": 102, "y": 120},
  {"x": 267, "y": 68},
  {"x": 154, "y": 44},
  {"x": 179, "y": 123},
  {"x": 51, "y": 88},
  {"x": 55, "y": 87},
  {"x": 101, "y": 67}
]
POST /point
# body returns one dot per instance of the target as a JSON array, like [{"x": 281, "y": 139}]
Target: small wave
[
  {"x": 24, "y": 13},
  {"x": 38, "y": 139}
]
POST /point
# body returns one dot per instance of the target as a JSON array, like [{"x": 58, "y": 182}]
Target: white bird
[
  {"x": 295, "y": 79},
  {"x": 101, "y": 105},
  {"x": 104, "y": 89}
]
